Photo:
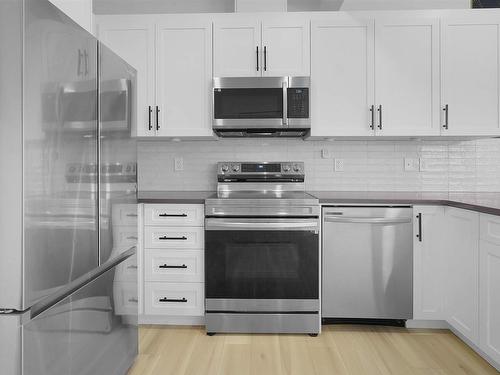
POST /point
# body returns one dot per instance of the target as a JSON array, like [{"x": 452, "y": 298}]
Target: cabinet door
[
  {"x": 286, "y": 47},
  {"x": 237, "y": 48},
  {"x": 489, "y": 286},
  {"x": 342, "y": 77},
  {"x": 470, "y": 74},
  {"x": 429, "y": 264},
  {"x": 462, "y": 301},
  {"x": 133, "y": 39},
  {"x": 184, "y": 77},
  {"x": 407, "y": 76}
]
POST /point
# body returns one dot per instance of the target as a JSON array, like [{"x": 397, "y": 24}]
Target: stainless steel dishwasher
[{"x": 367, "y": 262}]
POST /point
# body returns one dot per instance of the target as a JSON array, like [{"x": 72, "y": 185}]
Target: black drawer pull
[
  {"x": 165, "y": 238},
  {"x": 167, "y": 266},
  {"x": 165, "y": 299},
  {"x": 132, "y": 267},
  {"x": 133, "y": 300},
  {"x": 172, "y": 215}
]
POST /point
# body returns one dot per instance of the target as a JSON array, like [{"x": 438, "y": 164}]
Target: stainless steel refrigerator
[{"x": 68, "y": 284}]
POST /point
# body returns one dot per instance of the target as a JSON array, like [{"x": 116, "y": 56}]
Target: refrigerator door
[
  {"x": 60, "y": 239},
  {"x": 117, "y": 157},
  {"x": 10, "y": 153},
  {"x": 88, "y": 332}
]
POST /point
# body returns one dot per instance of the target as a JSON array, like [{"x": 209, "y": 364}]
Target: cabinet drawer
[
  {"x": 127, "y": 271},
  {"x": 174, "y": 299},
  {"x": 191, "y": 215},
  {"x": 126, "y": 298},
  {"x": 174, "y": 237},
  {"x": 490, "y": 228},
  {"x": 174, "y": 265},
  {"x": 125, "y": 235},
  {"x": 125, "y": 214}
]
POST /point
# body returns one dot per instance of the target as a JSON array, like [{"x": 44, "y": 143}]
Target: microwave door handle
[{"x": 285, "y": 103}]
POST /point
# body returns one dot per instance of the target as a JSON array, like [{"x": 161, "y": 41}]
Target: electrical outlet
[
  {"x": 179, "y": 164},
  {"x": 339, "y": 165},
  {"x": 325, "y": 154},
  {"x": 412, "y": 164}
]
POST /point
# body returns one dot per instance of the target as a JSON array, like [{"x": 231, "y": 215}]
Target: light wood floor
[{"x": 339, "y": 350}]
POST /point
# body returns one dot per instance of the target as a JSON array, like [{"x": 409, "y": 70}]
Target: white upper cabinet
[
  {"x": 407, "y": 76},
  {"x": 132, "y": 37},
  {"x": 250, "y": 47},
  {"x": 184, "y": 77},
  {"x": 470, "y": 76},
  {"x": 462, "y": 276},
  {"x": 342, "y": 77},
  {"x": 237, "y": 48},
  {"x": 429, "y": 263},
  {"x": 286, "y": 47},
  {"x": 489, "y": 286}
]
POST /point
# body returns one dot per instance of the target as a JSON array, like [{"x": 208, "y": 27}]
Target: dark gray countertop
[
  {"x": 481, "y": 202},
  {"x": 188, "y": 197}
]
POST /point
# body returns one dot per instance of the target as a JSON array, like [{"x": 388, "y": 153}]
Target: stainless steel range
[{"x": 262, "y": 257}]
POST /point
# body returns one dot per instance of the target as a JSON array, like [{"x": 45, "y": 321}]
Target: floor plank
[{"x": 339, "y": 350}]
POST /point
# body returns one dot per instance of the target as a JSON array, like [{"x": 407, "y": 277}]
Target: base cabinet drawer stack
[{"x": 174, "y": 260}]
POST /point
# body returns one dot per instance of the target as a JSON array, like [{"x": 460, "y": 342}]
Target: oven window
[
  {"x": 262, "y": 265},
  {"x": 248, "y": 103}
]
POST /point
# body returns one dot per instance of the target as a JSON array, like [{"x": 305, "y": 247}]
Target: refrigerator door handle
[{"x": 80, "y": 282}]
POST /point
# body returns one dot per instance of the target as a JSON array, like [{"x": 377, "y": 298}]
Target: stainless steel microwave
[{"x": 261, "y": 106}]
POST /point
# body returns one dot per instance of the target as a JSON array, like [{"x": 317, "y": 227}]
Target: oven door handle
[{"x": 294, "y": 225}]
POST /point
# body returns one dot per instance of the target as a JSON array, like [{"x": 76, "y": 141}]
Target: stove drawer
[
  {"x": 191, "y": 215},
  {"x": 174, "y": 265},
  {"x": 184, "y": 299},
  {"x": 174, "y": 237}
]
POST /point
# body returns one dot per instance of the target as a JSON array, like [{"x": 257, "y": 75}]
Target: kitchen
[{"x": 282, "y": 187}]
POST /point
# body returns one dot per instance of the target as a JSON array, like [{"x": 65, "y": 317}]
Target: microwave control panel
[{"x": 298, "y": 102}]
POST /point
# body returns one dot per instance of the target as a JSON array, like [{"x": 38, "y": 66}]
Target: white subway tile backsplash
[{"x": 368, "y": 165}]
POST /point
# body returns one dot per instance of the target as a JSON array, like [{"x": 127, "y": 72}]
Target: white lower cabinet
[
  {"x": 429, "y": 263},
  {"x": 489, "y": 286},
  {"x": 173, "y": 266},
  {"x": 462, "y": 276},
  {"x": 178, "y": 299}
]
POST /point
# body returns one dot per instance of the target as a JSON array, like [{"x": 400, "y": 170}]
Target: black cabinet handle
[
  {"x": 172, "y": 215},
  {"x": 257, "y": 58},
  {"x": 419, "y": 235},
  {"x": 165, "y": 299},
  {"x": 165, "y": 238},
  {"x": 380, "y": 117},
  {"x": 446, "y": 118},
  {"x": 150, "y": 114},
  {"x": 157, "y": 118},
  {"x": 166, "y": 266},
  {"x": 133, "y": 300},
  {"x": 265, "y": 58},
  {"x": 372, "y": 110}
]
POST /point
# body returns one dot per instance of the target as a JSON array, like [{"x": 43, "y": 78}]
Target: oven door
[{"x": 262, "y": 264}]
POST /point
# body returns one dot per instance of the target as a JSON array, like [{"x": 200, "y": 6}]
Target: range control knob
[
  {"x": 236, "y": 168},
  {"x": 296, "y": 168},
  {"x": 286, "y": 168},
  {"x": 224, "y": 168}
]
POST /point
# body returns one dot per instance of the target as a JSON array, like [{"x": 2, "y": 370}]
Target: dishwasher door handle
[{"x": 367, "y": 220}]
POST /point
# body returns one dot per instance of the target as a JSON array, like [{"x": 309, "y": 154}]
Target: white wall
[{"x": 368, "y": 165}]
